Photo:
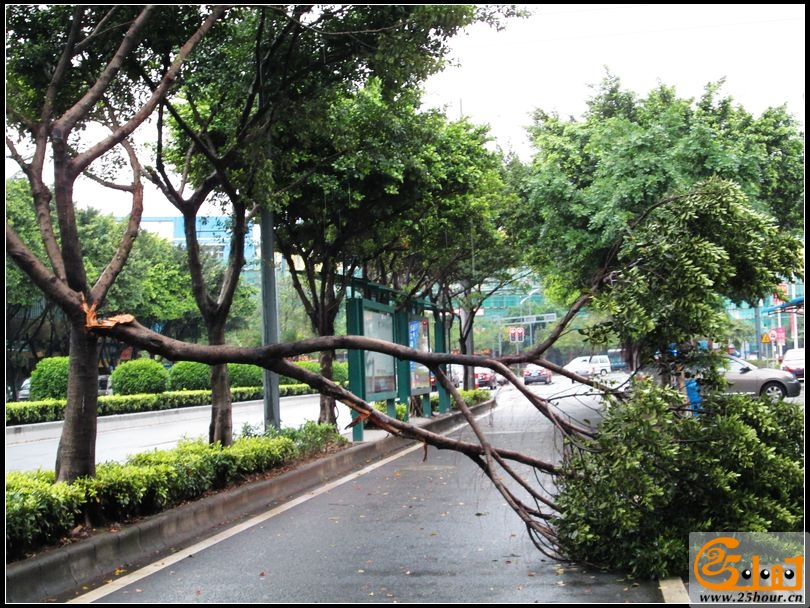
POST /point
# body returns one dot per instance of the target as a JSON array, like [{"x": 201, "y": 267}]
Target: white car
[
  {"x": 793, "y": 362},
  {"x": 589, "y": 365}
]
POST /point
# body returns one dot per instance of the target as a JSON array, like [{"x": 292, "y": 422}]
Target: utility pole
[{"x": 272, "y": 416}]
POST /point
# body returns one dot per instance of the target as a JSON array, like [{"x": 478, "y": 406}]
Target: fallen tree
[{"x": 651, "y": 420}]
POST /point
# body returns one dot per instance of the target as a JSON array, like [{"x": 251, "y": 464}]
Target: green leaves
[
  {"x": 685, "y": 257},
  {"x": 629, "y": 499},
  {"x": 675, "y": 201}
]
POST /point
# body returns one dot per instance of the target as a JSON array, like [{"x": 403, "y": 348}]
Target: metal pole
[
  {"x": 794, "y": 324},
  {"x": 272, "y": 415}
]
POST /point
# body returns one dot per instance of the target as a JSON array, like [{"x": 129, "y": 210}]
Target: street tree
[
  {"x": 67, "y": 68},
  {"x": 154, "y": 285},
  {"x": 707, "y": 221},
  {"x": 251, "y": 147},
  {"x": 591, "y": 178},
  {"x": 453, "y": 251},
  {"x": 404, "y": 205}
]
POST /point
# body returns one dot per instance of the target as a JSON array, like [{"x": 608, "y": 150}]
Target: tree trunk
[
  {"x": 466, "y": 346},
  {"x": 221, "y": 427},
  {"x": 328, "y": 412},
  {"x": 76, "y": 454}
]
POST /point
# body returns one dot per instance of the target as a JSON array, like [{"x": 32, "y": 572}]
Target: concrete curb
[
  {"x": 674, "y": 591},
  {"x": 61, "y": 571}
]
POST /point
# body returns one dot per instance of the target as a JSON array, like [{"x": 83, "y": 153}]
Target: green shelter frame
[{"x": 380, "y": 377}]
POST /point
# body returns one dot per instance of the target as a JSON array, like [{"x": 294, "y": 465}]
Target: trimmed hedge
[
  {"x": 140, "y": 376},
  {"x": 340, "y": 371},
  {"x": 40, "y": 512},
  {"x": 49, "y": 380},
  {"x": 245, "y": 374},
  {"x": 190, "y": 376},
  {"x": 52, "y": 410},
  {"x": 471, "y": 398}
]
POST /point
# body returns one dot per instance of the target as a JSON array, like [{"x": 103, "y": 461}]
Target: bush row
[
  {"x": 41, "y": 513},
  {"x": 50, "y": 376},
  {"x": 51, "y": 410},
  {"x": 190, "y": 375},
  {"x": 471, "y": 398}
]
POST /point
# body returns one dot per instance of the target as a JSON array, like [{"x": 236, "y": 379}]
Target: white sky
[{"x": 553, "y": 59}]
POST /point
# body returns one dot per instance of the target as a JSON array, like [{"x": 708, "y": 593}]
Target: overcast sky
[{"x": 552, "y": 59}]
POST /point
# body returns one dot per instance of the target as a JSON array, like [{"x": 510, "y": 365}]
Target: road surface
[{"x": 417, "y": 527}]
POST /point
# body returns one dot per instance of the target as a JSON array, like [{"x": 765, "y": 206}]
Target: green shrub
[
  {"x": 110, "y": 405},
  {"x": 31, "y": 412},
  {"x": 258, "y": 454},
  {"x": 471, "y": 397},
  {"x": 313, "y": 438},
  {"x": 120, "y": 492},
  {"x": 310, "y": 438},
  {"x": 49, "y": 380},
  {"x": 382, "y": 406},
  {"x": 39, "y": 512},
  {"x": 629, "y": 498},
  {"x": 249, "y": 393},
  {"x": 191, "y": 462},
  {"x": 140, "y": 376},
  {"x": 340, "y": 372},
  {"x": 244, "y": 374},
  {"x": 190, "y": 376},
  {"x": 291, "y": 390},
  {"x": 312, "y": 366}
]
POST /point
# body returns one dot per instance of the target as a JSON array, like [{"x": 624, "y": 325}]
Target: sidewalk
[{"x": 56, "y": 575}]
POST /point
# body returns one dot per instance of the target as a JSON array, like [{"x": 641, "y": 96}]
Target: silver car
[
  {"x": 743, "y": 377},
  {"x": 24, "y": 394},
  {"x": 748, "y": 379}
]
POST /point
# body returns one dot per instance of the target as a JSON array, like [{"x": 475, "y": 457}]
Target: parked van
[{"x": 601, "y": 364}]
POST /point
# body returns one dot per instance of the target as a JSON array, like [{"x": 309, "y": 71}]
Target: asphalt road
[
  {"x": 417, "y": 527},
  {"x": 33, "y": 447}
]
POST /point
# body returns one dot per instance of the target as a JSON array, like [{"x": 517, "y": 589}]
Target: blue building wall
[{"x": 212, "y": 232}]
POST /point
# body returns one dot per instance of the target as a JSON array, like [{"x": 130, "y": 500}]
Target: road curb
[
  {"x": 674, "y": 591},
  {"x": 60, "y": 572}
]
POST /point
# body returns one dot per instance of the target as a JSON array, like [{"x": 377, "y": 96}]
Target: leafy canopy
[{"x": 591, "y": 178}]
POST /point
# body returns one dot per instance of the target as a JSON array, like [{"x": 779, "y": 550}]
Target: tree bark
[
  {"x": 328, "y": 413},
  {"x": 221, "y": 427},
  {"x": 76, "y": 454}
]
